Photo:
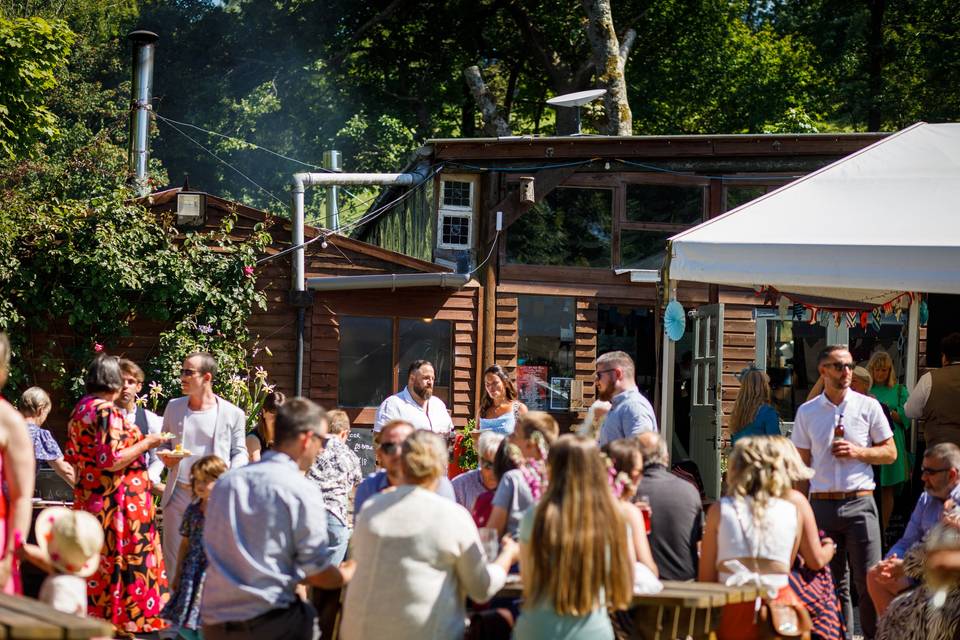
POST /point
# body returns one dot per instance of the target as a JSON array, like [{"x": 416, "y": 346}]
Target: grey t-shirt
[{"x": 514, "y": 495}]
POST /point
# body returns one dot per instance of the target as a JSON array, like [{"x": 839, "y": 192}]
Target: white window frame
[{"x": 468, "y": 212}]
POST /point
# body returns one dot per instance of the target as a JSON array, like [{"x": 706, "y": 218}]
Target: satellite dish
[{"x": 575, "y": 101}]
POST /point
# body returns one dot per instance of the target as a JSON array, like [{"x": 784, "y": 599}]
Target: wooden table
[
  {"x": 681, "y": 610},
  {"x": 22, "y": 617}
]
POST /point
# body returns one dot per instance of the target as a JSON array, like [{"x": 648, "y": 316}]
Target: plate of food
[{"x": 176, "y": 452}]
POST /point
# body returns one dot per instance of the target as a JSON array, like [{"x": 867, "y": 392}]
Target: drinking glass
[
  {"x": 643, "y": 502},
  {"x": 490, "y": 539}
]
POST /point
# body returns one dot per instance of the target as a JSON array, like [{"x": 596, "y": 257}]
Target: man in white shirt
[
  {"x": 205, "y": 424},
  {"x": 415, "y": 403},
  {"x": 841, "y": 433},
  {"x": 146, "y": 420}
]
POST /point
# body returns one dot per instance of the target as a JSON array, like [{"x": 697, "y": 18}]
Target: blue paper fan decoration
[{"x": 674, "y": 320}]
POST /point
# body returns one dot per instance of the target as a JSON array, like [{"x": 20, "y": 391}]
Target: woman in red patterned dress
[{"x": 107, "y": 452}]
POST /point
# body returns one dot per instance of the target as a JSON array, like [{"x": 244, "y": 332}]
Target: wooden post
[{"x": 913, "y": 355}]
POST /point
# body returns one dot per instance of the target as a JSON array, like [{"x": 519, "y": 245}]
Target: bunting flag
[
  {"x": 876, "y": 318},
  {"x": 813, "y": 314},
  {"x": 864, "y": 319},
  {"x": 851, "y": 318},
  {"x": 798, "y": 311},
  {"x": 795, "y": 309}
]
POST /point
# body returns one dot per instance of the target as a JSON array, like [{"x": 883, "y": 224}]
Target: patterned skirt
[{"x": 816, "y": 590}]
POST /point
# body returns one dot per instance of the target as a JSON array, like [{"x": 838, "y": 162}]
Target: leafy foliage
[
  {"x": 79, "y": 257},
  {"x": 31, "y": 52}
]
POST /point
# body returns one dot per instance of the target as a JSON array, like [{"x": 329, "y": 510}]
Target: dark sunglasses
[
  {"x": 186, "y": 373},
  {"x": 840, "y": 366},
  {"x": 599, "y": 374},
  {"x": 932, "y": 472},
  {"x": 390, "y": 448}
]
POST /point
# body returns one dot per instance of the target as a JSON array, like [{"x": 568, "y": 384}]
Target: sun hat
[{"x": 71, "y": 540}]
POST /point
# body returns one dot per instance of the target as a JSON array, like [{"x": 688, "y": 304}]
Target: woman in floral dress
[{"x": 130, "y": 587}]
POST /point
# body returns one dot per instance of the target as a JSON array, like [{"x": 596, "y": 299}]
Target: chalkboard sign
[{"x": 360, "y": 442}]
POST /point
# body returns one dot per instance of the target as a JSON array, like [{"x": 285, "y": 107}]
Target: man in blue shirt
[
  {"x": 391, "y": 442},
  {"x": 941, "y": 481},
  {"x": 631, "y": 413},
  {"x": 264, "y": 534}
]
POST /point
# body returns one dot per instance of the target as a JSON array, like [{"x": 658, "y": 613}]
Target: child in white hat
[{"x": 68, "y": 548}]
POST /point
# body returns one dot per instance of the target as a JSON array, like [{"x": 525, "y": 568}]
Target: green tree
[{"x": 32, "y": 51}]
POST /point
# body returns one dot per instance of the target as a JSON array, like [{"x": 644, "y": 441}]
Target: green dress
[{"x": 894, "y": 398}]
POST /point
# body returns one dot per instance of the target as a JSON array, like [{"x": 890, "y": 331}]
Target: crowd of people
[{"x": 249, "y": 522}]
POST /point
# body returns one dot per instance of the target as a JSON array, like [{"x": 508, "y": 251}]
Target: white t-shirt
[
  {"x": 864, "y": 425},
  {"x": 65, "y": 593},
  {"x": 198, "y": 428},
  {"x": 402, "y": 406}
]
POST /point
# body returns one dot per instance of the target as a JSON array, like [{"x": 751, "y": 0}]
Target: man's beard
[
  {"x": 423, "y": 391},
  {"x": 605, "y": 394}
]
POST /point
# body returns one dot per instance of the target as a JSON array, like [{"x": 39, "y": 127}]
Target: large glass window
[
  {"x": 632, "y": 330},
  {"x": 664, "y": 203},
  {"x": 545, "y": 352},
  {"x": 368, "y": 359},
  {"x": 571, "y": 227},
  {"x": 654, "y": 212},
  {"x": 421, "y": 340},
  {"x": 738, "y": 195},
  {"x": 789, "y": 352}
]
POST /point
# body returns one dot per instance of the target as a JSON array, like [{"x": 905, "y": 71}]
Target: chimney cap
[{"x": 142, "y": 36}]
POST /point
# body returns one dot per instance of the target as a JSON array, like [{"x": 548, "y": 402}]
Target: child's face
[{"x": 202, "y": 487}]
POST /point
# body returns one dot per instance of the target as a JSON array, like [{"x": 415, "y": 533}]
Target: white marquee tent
[
  {"x": 879, "y": 222},
  {"x": 886, "y": 218}
]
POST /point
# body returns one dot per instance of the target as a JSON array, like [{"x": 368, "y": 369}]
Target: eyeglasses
[
  {"x": 932, "y": 472},
  {"x": 840, "y": 366},
  {"x": 390, "y": 448},
  {"x": 599, "y": 374},
  {"x": 186, "y": 373},
  {"x": 323, "y": 439}
]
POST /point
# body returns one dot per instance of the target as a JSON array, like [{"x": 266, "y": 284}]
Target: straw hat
[{"x": 70, "y": 539}]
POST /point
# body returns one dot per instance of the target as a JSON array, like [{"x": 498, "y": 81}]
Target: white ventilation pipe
[{"x": 300, "y": 183}]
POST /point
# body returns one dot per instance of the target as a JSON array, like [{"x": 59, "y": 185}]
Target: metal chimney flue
[{"x": 141, "y": 103}]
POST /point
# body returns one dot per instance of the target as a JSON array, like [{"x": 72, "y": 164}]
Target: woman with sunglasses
[
  {"x": 499, "y": 407},
  {"x": 753, "y": 415},
  {"x": 474, "y": 489}
]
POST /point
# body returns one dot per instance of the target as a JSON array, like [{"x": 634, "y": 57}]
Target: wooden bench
[
  {"x": 27, "y": 618},
  {"x": 681, "y": 610}
]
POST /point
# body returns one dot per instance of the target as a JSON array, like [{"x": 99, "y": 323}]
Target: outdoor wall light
[{"x": 191, "y": 209}]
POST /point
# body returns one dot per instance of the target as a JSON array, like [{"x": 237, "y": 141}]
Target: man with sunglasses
[
  {"x": 389, "y": 458},
  {"x": 941, "y": 482},
  {"x": 631, "y": 413},
  {"x": 203, "y": 423},
  {"x": 841, "y": 434},
  {"x": 264, "y": 534}
]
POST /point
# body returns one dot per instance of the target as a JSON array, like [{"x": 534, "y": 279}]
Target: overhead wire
[{"x": 171, "y": 121}]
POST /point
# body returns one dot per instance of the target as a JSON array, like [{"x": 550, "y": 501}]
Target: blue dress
[
  {"x": 765, "y": 423},
  {"x": 504, "y": 425},
  {"x": 183, "y": 609}
]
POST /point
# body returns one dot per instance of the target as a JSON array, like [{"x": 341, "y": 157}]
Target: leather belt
[
  {"x": 249, "y": 625},
  {"x": 841, "y": 495}
]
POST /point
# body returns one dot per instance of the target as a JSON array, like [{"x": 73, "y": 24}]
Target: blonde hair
[
  {"x": 756, "y": 471},
  {"x": 754, "y": 392},
  {"x": 207, "y": 468},
  {"x": 424, "y": 457},
  {"x": 881, "y": 358},
  {"x": 590, "y": 427},
  {"x": 337, "y": 422},
  {"x": 541, "y": 422},
  {"x": 4, "y": 358},
  {"x": 863, "y": 375},
  {"x": 33, "y": 402},
  {"x": 578, "y": 546},
  {"x": 782, "y": 449}
]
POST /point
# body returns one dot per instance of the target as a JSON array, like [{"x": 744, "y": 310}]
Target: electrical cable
[
  {"x": 489, "y": 253},
  {"x": 172, "y": 122},
  {"x": 219, "y": 159}
]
